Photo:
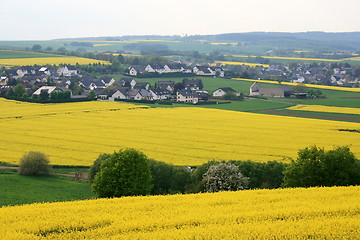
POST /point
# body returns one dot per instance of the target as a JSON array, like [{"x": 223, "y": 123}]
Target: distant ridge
[{"x": 334, "y": 40}]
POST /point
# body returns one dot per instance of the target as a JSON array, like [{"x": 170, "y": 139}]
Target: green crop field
[
  {"x": 10, "y": 54},
  {"x": 17, "y": 189}
]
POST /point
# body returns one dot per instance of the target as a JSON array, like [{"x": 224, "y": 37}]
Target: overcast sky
[{"x": 50, "y": 19}]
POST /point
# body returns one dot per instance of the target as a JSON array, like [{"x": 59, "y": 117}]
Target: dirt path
[{"x": 76, "y": 176}]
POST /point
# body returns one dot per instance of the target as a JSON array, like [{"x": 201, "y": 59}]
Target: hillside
[{"x": 314, "y": 213}]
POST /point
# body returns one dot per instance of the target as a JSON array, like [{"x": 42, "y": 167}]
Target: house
[
  {"x": 202, "y": 95},
  {"x": 134, "y": 94},
  {"x": 193, "y": 84},
  {"x": 145, "y": 94},
  {"x": 152, "y": 68},
  {"x": 49, "y": 89},
  {"x": 257, "y": 90},
  {"x": 166, "y": 85},
  {"x": 135, "y": 70},
  {"x": 104, "y": 93},
  {"x": 120, "y": 93},
  {"x": 160, "y": 94},
  {"x": 220, "y": 92},
  {"x": 4, "y": 81},
  {"x": 142, "y": 85},
  {"x": 44, "y": 71},
  {"x": 25, "y": 70},
  {"x": 187, "y": 96},
  {"x": 89, "y": 83},
  {"x": 67, "y": 71},
  {"x": 174, "y": 67},
  {"x": 128, "y": 82},
  {"x": 204, "y": 71},
  {"x": 107, "y": 81}
]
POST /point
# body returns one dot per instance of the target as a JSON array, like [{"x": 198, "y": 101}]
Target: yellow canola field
[
  {"x": 76, "y": 133},
  {"x": 50, "y": 61},
  {"x": 242, "y": 63},
  {"x": 347, "y": 89},
  {"x": 313, "y": 213},
  {"x": 319, "y": 108}
]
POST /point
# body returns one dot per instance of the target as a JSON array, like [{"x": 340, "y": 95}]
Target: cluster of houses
[
  {"x": 188, "y": 91},
  {"x": 50, "y": 79},
  {"x": 176, "y": 67},
  {"x": 323, "y": 74}
]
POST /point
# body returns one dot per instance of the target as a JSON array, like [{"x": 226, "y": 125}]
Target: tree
[
  {"x": 224, "y": 177},
  {"x": 316, "y": 167},
  {"x": 36, "y": 47},
  {"x": 34, "y": 164},
  {"x": 19, "y": 90},
  {"x": 91, "y": 94},
  {"x": 230, "y": 96},
  {"x": 124, "y": 173},
  {"x": 95, "y": 168},
  {"x": 44, "y": 95}
]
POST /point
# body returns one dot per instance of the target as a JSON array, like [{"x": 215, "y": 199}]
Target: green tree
[
  {"x": 91, "y": 94},
  {"x": 224, "y": 177},
  {"x": 44, "y": 95},
  {"x": 124, "y": 173},
  {"x": 95, "y": 168},
  {"x": 34, "y": 163},
  {"x": 19, "y": 90},
  {"x": 36, "y": 47},
  {"x": 316, "y": 167},
  {"x": 230, "y": 96}
]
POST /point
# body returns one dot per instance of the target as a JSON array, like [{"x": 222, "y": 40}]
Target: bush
[
  {"x": 224, "y": 177},
  {"x": 167, "y": 178},
  {"x": 34, "y": 164},
  {"x": 95, "y": 168},
  {"x": 124, "y": 173},
  {"x": 316, "y": 167},
  {"x": 262, "y": 175}
]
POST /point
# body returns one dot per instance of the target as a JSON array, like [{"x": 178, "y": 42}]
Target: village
[{"x": 48, "y": 82}]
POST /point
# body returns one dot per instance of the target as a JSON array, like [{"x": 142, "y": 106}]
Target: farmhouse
[
  {"x": 128, "y": 82},
  {"x": 257, "y": 90},
  {"x": 49, "y": 89},
  {"x": 67, "y": 71},
  {"x": 186, "y": 96},
  {"x": 166, "y": 85},
  {"x": 107, "y": 81},
  {"x": 4, "y": 81},
  {"x": 135, "y": 70},
  {"x": 220, "y": 92}
]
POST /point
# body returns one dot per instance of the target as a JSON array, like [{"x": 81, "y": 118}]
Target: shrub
[
  {"x": 224, "y": 177},
  {"x": 316, "y": 167},
  {"x": 34, "y": 164},
  {"x": 95, "y": 168},
  {"x": 167, "y": 178},
  {"x": 124, "y": 173}
]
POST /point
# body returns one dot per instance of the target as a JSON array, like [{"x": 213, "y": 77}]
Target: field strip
[
  {"x": 49, "y": 61},
  {"x": 319, "y": 108},
  {"x": 298, "y": 213},
  {"x": 300, "y": 59},
  {"x": 242, "y": 63},
  {"x": 305, "y": 85},
  {"x": 76, "y": 133}
]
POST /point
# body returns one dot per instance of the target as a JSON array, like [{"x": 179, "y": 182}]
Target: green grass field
[
  {"x": 9, "y": 54},
  {"x": 17, "y": 189}
]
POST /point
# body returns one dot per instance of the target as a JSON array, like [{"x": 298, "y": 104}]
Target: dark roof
[
  {"x": 192, "y": 82},
  {"x": 204, "y": 69},
  {"x": 176, "y": 65},
  {"x": 227, "y": 89},
  {"x": 160, "y": 92},
  {"x": 137, "y": 68},
  {"x": 106, "y": 79},
  {"x": 141, "y": 84},
  {"x": 127, "y": 79},
  {"x": 185, "y": 92},
  {"x": 157, "y": 66}
]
